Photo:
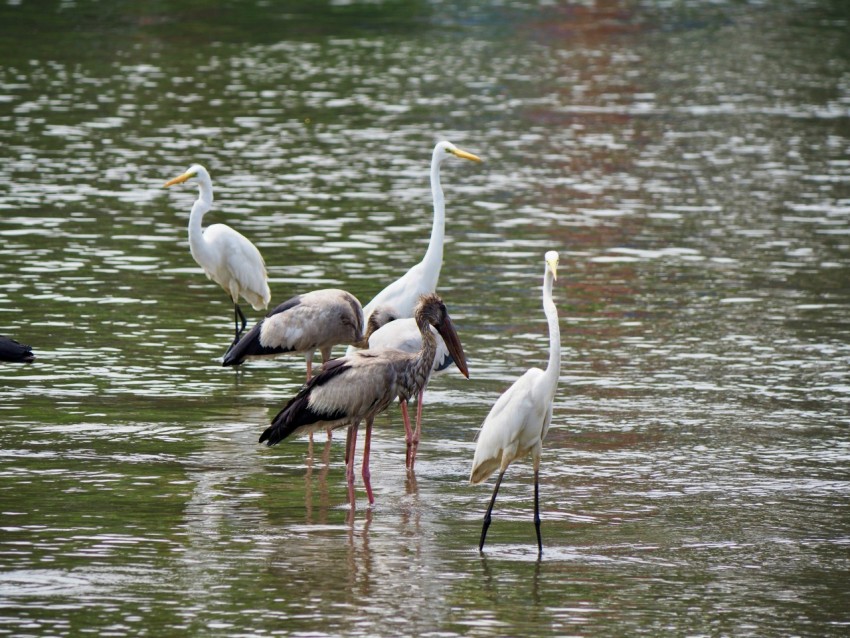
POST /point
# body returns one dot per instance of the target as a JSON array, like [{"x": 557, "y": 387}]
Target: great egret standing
[
  {"x": 362, "y": 385},
  {"x": 399, "y": 298},
  {"x": 227, "y": 256},
  {"x": 518, "y": 422}
]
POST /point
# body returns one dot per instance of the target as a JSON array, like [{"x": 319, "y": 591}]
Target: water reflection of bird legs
[
  {"x": 411, "y": 488},
  {"x": 411, "y": 515},
  {"x": 491, "y": 584},
  {"x": 323, "y": 482},
  {"x": 360, "y": 560}
]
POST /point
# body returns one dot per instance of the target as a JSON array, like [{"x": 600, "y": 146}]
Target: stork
[
  {"x": 316, "y": 320},
  {"x": 361, "y": 385},
  {"x": 403, "y": 334}
]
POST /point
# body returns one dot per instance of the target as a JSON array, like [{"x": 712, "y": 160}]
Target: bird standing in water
[
  {"x": 399, "y": 298},
  {"x": 227, "y": 256},
  {"x": 519, "y": 420},
  {"x": 316, "y": 320},
  {"x": 363, "y": 384},
  {"x": 403, "y": 334}
]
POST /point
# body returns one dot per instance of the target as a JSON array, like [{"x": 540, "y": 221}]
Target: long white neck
[
  {"x": 433, "y": 259},
  {"x": 204, "y": 202},
  {"x": 553, "y": 370}
]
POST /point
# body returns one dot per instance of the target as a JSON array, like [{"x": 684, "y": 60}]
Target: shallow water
[{"x": 688, "y": 160}]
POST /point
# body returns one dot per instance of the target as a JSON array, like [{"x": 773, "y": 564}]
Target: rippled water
[{"x": 688, "y": 160}]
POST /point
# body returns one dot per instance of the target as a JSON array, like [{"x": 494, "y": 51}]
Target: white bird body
[
  {"x": 232, "y": 261},
  {"x": 398, "y": 300},
  {"x": 403, "y": 334},
  {"x": 519, "y": 420},
  {"x": 226, "y": 256},
  {"x": 516, "y": 425}
]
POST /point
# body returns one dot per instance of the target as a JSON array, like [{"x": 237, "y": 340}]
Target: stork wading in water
[
  {"x": 316, "y": 320},
  {"x": 404, "y": 334},
  {"x": 363, "y": 384},
  {"x": 227, "y": 256},
  {"x": 519, "y": 420},
  {"x": 399, "y": 299}
]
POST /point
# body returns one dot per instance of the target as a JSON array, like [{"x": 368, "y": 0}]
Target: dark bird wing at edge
[{"x": 15, "y": 352}]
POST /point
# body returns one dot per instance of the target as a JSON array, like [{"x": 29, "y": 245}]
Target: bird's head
[
  {"x": 432, "y": 310},
  {"x": 195, "y": 171},
  {"x": 379, "y": 317},
  {"x": 446, "y": 149},
  {"x": 552, "y": 259}
]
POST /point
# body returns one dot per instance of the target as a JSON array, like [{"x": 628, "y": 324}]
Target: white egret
[
  {"x": 227, "y": 256},
  {"x": 399, "y": 298},
  {"x": 362, "y": 385},
  {"x": 519, "y": 420}
]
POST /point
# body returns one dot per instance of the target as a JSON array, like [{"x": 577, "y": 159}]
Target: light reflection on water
[{"x": 694, "y": 479}]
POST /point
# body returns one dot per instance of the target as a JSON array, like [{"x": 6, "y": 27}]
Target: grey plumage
[
  {"x": 405, "y": 334},
  {"x": 361, "y": 385},
  {"x": 316, "y": 320}
]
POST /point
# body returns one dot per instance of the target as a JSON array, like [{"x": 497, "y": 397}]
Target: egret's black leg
[
  {"x": 238, "y": 318},
  {"x": 235, "y": 326},
  {"x": 537, "y": 512},
  {"x": 487, "y": 516}
]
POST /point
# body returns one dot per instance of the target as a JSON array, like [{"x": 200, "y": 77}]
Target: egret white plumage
[
  {"x": 404, "y": 334},
  {"x": 316, "y": 320},
  {"x": 361, "y": 385},
  {"x": 519, "y": 420},
  {"x": 14, "y": 351},
  {"x": 399, "y": 298},
  {"x": 227, "y": 256}
]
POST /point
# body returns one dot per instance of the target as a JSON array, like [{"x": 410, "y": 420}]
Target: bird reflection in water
[{"x": 324, "y": 501}]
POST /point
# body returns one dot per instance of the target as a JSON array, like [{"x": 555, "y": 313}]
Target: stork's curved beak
[
  {"x": 179, "y": 179},
  {"x": 465, "y": 155},
  {"x": 449, "y": 334}
]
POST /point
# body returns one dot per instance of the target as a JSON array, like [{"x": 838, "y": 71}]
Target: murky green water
[{"x": 691, "y": 163}]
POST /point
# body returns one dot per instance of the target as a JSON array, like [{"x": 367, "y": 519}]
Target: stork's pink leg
[
  {"x": 408, "y": 431},
  {"x": 352, "y": 502},
  {"x": 310, "y": 374},
  {"x": 367, "y": 475},
  {"x": 417, "y": 433},
  {"x": 351, "y": 444}
]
